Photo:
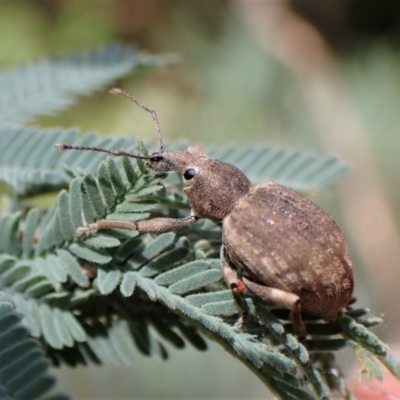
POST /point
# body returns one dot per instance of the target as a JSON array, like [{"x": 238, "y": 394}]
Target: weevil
[{"x": 276, "y": 243}]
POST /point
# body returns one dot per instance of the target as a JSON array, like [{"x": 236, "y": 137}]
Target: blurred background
[{"x": 321, "y": 76}]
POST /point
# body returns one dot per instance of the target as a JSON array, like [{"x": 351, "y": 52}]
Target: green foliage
[
  {"x": 290, "y": 167},
  {"x": 30, "y": 164},
  {"x": 102, "y": 298},
  {"x": 23, "y": 365},
  {"x": 52, "y": 84}
]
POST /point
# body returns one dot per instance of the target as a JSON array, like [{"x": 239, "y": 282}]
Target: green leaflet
[
  {"x": 89, "y": 254},
  {"x": 30, "y": 314},
  {"x": 31, "y": 223},
  {"x": 93, "y": 195},
  {"x": 108, "y": 279},
  {"x": 48, "y": 325},
  {"x": 8, "y": 234},
  {"x": 132, "y": 207},
  {"x": 129, "y": 170},
  {"x": 158, "y": 245},
  {"x": 165, "y": 261},
  {"x": 115, "y": 177},
  {"x": 144, "y": 192},
  {"x": 128, "y": 284},
  {"x": 75, "y": 208},
  {"x": 15, "y": 274},
  {"x": 106, "y": 187},
  {"x": 53, "y": 268},
  {"x": 122, "y": 343},
  {"x": 182, "y": 272},
  {"x": 88, "y": 212},
  {"x": 62, "y": 328},
  {"x": 202, "y": 299},
  {"x": 64, "y": 216},
  {"x": 195, "y": 282},
  {"x": 223, "y": 308},
  {"x": 102, "y": 241},
  {"x": 364, "y": 337},
  {"x": 6, "y": 262},
  {"x": 72, "y": 267},
  {"x": 128, "y": 249},
  {"x": 35, "y": 285}
]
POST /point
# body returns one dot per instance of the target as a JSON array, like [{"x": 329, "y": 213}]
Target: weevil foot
[
  {"x": 85, "y": 231},
  {"x": 241, "y": 323}
]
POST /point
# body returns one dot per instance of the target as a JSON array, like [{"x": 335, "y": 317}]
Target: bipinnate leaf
[
  {"x": 290, "y": 167},
  {"x": 52, "y": 84}
]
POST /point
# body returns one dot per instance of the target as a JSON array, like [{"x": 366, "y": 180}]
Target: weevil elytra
[{"x": 275, "y": 242}]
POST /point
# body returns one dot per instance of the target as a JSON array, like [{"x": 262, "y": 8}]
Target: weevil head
[{"x": 213, "y": 187}]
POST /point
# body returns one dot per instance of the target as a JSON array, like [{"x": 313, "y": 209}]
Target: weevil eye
[
  {"x": 156, "y": 158},
  {"x": 189, "y": 173}
]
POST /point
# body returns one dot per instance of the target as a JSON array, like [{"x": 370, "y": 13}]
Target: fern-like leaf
[
  {"x": 297, "y": 169},
  {"x": 52, "y": 84},
  {"x": 30, "y": 163}
]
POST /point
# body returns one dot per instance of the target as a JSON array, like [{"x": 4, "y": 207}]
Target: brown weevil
[{"x": 284, "y": 248}]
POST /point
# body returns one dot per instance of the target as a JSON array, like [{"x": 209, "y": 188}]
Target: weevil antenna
[
  {"x": 119, "y": 153},
  {"x": 141, "y": 105}
]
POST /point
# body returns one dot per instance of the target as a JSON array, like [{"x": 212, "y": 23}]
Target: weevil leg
[
  {"x": 236, "y": 285},
  {"x": 281, "y": 298},
  {"x": 155, "y": 225}
]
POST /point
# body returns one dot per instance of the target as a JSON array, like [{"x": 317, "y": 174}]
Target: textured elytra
[{"x": 282, "y": 240}]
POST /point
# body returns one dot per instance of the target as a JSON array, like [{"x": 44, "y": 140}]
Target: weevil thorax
[{"x": 213, "y": 187}]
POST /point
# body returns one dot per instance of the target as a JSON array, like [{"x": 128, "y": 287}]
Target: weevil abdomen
[{"x": 279, "y": 239}]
